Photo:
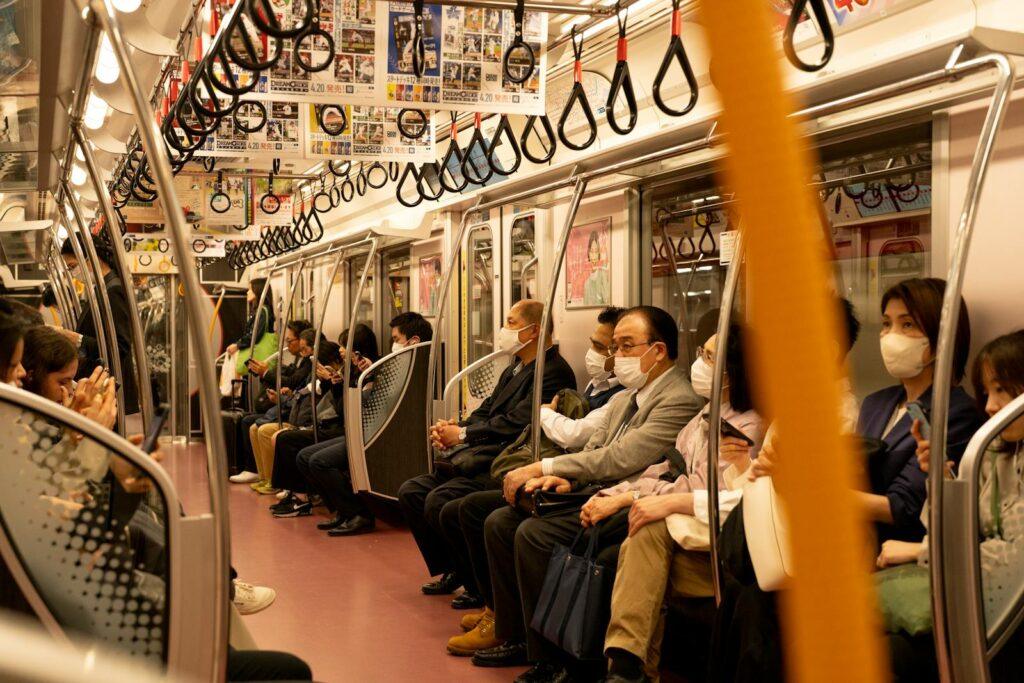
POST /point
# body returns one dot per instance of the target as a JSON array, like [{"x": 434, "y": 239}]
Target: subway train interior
[{"x": 570, "y": 341}]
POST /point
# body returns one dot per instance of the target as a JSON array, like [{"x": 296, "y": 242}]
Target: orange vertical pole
[{"x": 830, "y": 626}]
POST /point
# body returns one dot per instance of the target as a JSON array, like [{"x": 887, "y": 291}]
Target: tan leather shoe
[
  {"x": 480, "y": 638},
  {"x": 469, "y": 621}
]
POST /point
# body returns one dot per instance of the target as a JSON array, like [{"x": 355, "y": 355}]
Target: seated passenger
[
  {"x": 910, "y": 329},
  {"x": 330, "y": 425},
  {"x": 666, "y": 553},
  {"x": 300, "y": 413},
  {"x": 482, "y": 435},
  {"x": 998, "y": 378},
  {"x": 292, "y": 376},
  {"x": 641, "y": 424},
  {"x": 12, "y": 347},
  {"x": 324, "y": 466}
]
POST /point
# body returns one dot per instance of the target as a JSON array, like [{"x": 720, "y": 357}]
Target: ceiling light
[
  {"x": 126, "y": 6},
  {"x": 95, "y": 112},
  {"x": 107, "y": 68},
  {"x": 78, "y": 175},
  {"x": 78, "y": 153}
]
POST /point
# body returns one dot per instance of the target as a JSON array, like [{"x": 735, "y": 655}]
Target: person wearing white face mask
[
  {"x": 910, "y": 328},
  {"x": 571, "y": 434},
  {"x": 641, "y": 423},
  {"x": 466, "y": 449},
  {"x": 409, "y": 329}
]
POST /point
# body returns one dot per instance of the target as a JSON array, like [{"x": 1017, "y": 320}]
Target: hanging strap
[
  {"x": 676, "y": 52},
  {"x": 578, "y": 96}
]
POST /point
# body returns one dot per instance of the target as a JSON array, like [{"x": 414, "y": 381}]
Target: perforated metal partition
[
  {"x": 95, "y": 561},
  {"x": 385, "y": 419},
  {"x": 478, "y": 379}
]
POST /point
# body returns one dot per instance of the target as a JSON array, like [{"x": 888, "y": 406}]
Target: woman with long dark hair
[{"x": 264, "y": 312}]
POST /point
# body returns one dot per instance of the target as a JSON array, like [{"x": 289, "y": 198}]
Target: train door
[
  {"x": 366, "y": 311},
  {"x": 482, "y": 311},
  {"x": 395, "y": 289}
]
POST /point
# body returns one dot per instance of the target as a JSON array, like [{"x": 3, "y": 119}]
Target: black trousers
[
  {"x": 325, "y": 468},
  {"x": 266, "y": 665},
  {"x": 473, "y": 512},
  {"x": 286, "y": 474},
  {"x": 519, "y": 549},
  {"x": 422, "y": 498},
  {"x": 457, "y": 536}
]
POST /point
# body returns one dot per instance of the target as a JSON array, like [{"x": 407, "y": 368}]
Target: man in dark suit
[{"x": 481, "y": 436}]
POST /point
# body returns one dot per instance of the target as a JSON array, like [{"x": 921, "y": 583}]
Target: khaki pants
[
  {"x": 262, "y": 438},
  {"x": 652, "y": 567}
]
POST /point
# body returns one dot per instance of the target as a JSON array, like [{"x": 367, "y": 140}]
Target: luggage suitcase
[{"x": 232, "y": 421}]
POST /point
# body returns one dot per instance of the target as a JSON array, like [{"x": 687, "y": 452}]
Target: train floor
[{"x": 351, "y": 607}]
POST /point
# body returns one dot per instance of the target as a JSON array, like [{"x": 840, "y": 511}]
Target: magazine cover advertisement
[{"x": 369, "y": 134}]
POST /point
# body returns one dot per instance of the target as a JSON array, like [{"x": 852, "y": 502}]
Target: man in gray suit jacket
[{"x": 641, "y": 424}]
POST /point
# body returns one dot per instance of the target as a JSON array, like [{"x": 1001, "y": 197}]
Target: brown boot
[
  {"x": 470, "y": 621},
  {"x": 480, "y": 638}
]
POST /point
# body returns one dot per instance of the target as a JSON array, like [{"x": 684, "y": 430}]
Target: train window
[
  {"x": 524, "y": 258},
  {"x": 364, "y": 313},
  {"x": 396, "y": 282},
  {"x": 151, "y": 292},
  {"x": 479, "y": 294}
]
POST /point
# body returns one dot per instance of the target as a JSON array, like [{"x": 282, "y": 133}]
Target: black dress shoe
[
  {"x": 443, "y": 586},
  {"x": 351, "y": 527},
  {"x": 467, "y": 600},
  {"x": 332, "y": 523},
  {"x": 545, "y": 672},
  {"x": 508, "y": 654}
]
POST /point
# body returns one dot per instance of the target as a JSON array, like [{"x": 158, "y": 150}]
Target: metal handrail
[
  {"x": 732, "y": 278},
  {"x": 358, "y": 295},
  {"x": 284, "y": 313},
  {"x": 208, "y": 393},
  {"x": 367, "y": 375},
  {"x": 106, "y": 324},
  {"x": 943, "y": 379},
  {"x": 319, "y": 331},
  {"x": 457, "y": 378},
  {"x": 545, "y": 320},
  {"x": 100, "y": 323}
]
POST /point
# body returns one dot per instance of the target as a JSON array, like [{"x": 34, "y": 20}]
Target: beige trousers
[
  {"x": 652, "y": 567},
  {"x": 262, "y": 438}
]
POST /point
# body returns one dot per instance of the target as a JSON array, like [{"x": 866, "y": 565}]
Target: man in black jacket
[
  {"x": 481, "y": 436},
  {"x": 85, "y": 335}
]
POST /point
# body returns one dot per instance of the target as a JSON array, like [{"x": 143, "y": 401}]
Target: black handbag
[
  {"x": 464, "y": 460},
  {"x": 543, "y": 503},
  {"x": 572, "y": 608}
]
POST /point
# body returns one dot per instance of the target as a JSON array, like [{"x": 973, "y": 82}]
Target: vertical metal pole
[
  {"x": 59, "y": 284},
  {"x": 194, "y": 296},
  {"x": 542, "y": 335},
  {"x": 102, "y": 333},
  {"x": 439, "y": 329},
  {"x": 104, "y": 325},
  {"x": 255, "y": 327},
  {"x": 282, "y": 322},
  {"x": 347, "y": 362},
  {"x": 326, "y": 297},
  {"x": 120, "y": 266},
  {"x": 732, "y": 278},
  {"x": 943, "y": 380},
  {"x": 172, "y": 349},
  {"x": 684, "y": 306}
]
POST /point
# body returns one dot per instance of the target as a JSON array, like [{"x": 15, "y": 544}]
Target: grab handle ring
[
  {"x": 577, "y": 95},
  {"x": 622, "y": 83},
  {"x": 827, "y": 35},
  {"x": 677, "y": 52},
  {"x": 549, "y": 144},
  {"x": 518, "y": 45}
]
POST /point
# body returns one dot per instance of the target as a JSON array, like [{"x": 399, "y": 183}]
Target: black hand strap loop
[
  {"x": 340, "y": 173},
  {"x": 622, "y": 84},
  {"x": 429, "y": 171},
  {"x": 577, "y": 96},
  {"x": 400, "y": 190},
  {"x": 820, "y": 14},
  {"x": 228, "y": 84},
  {"x": 548, "y": 143},
  {"x": 209, "y": 163},
  {"x": 677, "y": 52},
  {"x": 382, "y": 175},
  {"x": 412, "y": 123},
  {"x": 220, "y": 202},
  {"x": 270, "y": 203},
  {"x": 394, "y": 169},
  {"x": 470, "y": 170},
  {"x": 708, "y": 236},
  {"x": 419, "y": 50},
  {"x": 446, "y": 175},
  {"x": 504, "y": 129},
  {"x": 246, "y": 111},
  {"x": 322, "y": 200},
  {"x": 332, "y": 127},
  {"x": 361, "y": 183},
  {"x": 307, "y": 42},
  {"x": 519, "y": 50},
  {"x": 243, "y": 50}
]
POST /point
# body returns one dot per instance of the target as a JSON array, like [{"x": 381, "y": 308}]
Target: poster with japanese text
[
  {"x": 276, "y": 131},
  {"x": 370, "y": 134}
]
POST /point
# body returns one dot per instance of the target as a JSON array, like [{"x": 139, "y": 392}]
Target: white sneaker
[
  {"x": 245, "y": 477},
  {"x": 281, "y": 495},
  {"x": 250, "y": 599}
]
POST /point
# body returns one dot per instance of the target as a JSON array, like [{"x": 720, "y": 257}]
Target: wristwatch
[{"x": 462, "y": 434}]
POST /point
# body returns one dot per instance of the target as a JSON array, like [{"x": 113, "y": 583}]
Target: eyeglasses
[{"x": 627, "y": 348}]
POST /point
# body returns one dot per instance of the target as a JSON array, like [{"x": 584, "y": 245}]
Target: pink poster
[
  {"x": 588, "y": 279},
  {"x": 430, "y": 284}
]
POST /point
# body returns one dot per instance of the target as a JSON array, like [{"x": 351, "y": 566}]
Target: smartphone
[
  {"x": 729, "y": 429},
  {"x": 155, "y": 427},
  {"x": 917, "y": 412}
]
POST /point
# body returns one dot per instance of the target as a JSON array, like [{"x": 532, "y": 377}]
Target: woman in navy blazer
[{"x": 910, "y": 329}]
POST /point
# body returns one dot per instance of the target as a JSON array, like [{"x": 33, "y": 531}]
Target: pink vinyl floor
[{"x": 350, "y": 607}]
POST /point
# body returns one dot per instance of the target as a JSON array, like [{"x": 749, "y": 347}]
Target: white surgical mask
[
  {"x": 701, "y": 374},
  {"x": 904, "y": 356},
  {"x": 508, "y": 340},
  {"x": 627, "y": 369},
  {"x": 595, "y": 366},
  {"x": 396, "y": 347}
]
